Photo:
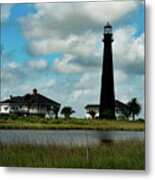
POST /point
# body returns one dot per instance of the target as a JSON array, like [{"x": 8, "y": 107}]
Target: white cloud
[
  {"x": 65, "y": 65},
  {"x": 39, "y": 64},
  {"x": 54, "y": 19},
  {"x": 70, "y": 28},
  {"x": 128, "y": 50},
  {"x": 83, "y": 45},
  {"x": 128, "y": 54},
  {"x": 48, "y": 84},
  {"x": 70, "y": 64},
  {"x": 73, "y": 28},
  {"x": 112, "y": 10},
  {"x": 78, "y": 95},
  {"x": 5, "y": 12},
  {"x": 120, "y": 77},
  {"x": 89, "y": 80},
  {"x": 11, "y": 74},
  {"x": 134, "y": 87},
  {"x": 13, "y": 65}
]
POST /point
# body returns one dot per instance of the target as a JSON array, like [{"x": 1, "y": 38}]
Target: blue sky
[{"x": 57, "y": 48}]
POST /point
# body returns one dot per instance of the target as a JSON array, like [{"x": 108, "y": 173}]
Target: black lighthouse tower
[{"x": 107, "y": 96}]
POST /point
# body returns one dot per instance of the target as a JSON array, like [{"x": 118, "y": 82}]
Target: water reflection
[{"x": 66, "y": 137}]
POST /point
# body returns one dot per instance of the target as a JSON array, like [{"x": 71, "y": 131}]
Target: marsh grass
[
  {"x": 111, "y": 155},
  {"x": 43, "y": 123}
]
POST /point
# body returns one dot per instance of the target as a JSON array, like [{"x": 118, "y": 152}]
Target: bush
[
  {"x": 44, "y": 121},
  {"x": 4, "y": 117},
  {"x": 141, "y": 120},
  {"x": 13, "y": 116}
]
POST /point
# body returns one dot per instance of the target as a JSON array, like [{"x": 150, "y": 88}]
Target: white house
[
  {"x": 33, "y": 104},
  {"x": 120, "y": 108}
]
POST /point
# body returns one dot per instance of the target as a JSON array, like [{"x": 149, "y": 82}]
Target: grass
[
  {"x": 111, "y": 155},
  {"x": 43, "y": 123}
]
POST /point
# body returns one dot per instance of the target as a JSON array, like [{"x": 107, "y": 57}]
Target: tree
[
  {"x": 55, "y": 109},
  {"x": 92, "y": 113},
  {"x": 28, "y": 102},
  {"x": 126, "y": 112},
  {"x": 67, "y": 111},
  {"x": 134, "y": 108}
]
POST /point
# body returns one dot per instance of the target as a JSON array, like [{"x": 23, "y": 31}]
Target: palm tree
[
  {"x": 134, "y": 108},
  {"x": 67, "y": 111},
  {"x": 92, "y": 113},
  {"x": 55, "y": 109}
]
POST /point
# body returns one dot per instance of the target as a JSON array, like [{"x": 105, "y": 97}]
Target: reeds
[{"x": 108, "y": 155}]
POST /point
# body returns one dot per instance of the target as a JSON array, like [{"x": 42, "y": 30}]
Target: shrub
[{"x": 13, "y": 116}]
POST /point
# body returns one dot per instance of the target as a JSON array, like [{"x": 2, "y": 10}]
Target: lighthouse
[{"x": 107, "y": 95}]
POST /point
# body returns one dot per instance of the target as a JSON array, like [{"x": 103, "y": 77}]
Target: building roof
[
  {"x": 121, "y": 105},
  {"x": 118, "y": 104},
  {"x": 33, "y": 98},
  {"x": 92, "y": 106}
]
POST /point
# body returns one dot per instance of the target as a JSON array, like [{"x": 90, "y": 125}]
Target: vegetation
[
  {"x": 92, "y": 113},
  {"x": 134, "y": 108},
  {"x": 126, "y": 112},
  {"x": 55, "y": 110},
  {"x": 16, "y": 122},
  {"x": 28, "y": 102},
  {"x": 112, "y": 155},
  {"x": 67, "y": 111}
]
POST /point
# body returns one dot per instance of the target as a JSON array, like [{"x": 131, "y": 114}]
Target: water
[{"x": 66, "y": 137}]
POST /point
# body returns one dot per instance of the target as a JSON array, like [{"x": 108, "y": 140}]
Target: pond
[{"x": 66, "y": 137}]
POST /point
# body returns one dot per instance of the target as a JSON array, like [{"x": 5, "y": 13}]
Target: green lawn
[
  {"x": 112, "y": 155},
  {"x": 43, "y": 123}
]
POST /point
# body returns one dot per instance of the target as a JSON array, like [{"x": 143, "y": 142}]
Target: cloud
[
  {"x": 128, "y": 54},
  {"x": 5, "y": 12},
  {"x": 89, "y": 80},
  {"x": 13, "y": 65},
  {"x": 12, "y": 74},
  {"x": 48, "y": 84},
  {"x": 71, "y": 28},
  {"x": 133, "y": 88},
  {"x": 74, "y": 30},
  {"x": 39, "y": 64},
  {"x": 82, "y": 45},
  {"x": 120, "y": 77},
  {"x": 70, "y": 64},
  {"x": 128, "y": 50},
  {"x": 65, "y": 65},
  {"x": 53, "y": 19},
  {"x": 78, "y": 94}
]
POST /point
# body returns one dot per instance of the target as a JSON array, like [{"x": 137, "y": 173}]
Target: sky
[{"x": 57, "y": 48}]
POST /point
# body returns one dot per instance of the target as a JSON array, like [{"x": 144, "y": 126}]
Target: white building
[
  {"x": 33, "y": 104},
  {"x": 120, "y": 109}
]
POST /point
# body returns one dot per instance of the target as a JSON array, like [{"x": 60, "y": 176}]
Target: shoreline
[{"x": 72, "y": 124}]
